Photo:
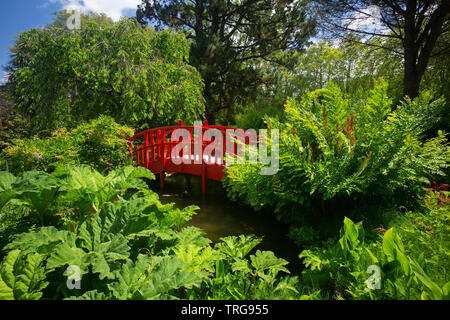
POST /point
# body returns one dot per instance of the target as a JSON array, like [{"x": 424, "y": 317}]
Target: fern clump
[{"x": 336, "y": 148}]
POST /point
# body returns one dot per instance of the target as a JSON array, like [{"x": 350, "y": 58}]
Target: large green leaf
[
  {"x": 90, "y": 295},
  {"x": 6, "y": 193},
  {"x": 199, "y": 258},
  {"x": 81, "y": 178},
  {"x": 5, "y": 196},
  {"x": 389, "y": 244},
  {"x": 7, "y": 276},
  {"x": 131, "y": 278},
  {"x": 128, "y": 177},
  {"x": 6, "y": 180},
  {"x": 241, "y": 265},
  {"x": 192, "y": 235},
  {"x": 175, "y": 217},
  {"x": 168, "y": 274},
  {"x": 90, "y": 233},
  {"x": 132, "y": 218},
  {"x": 103, "y": 246},
  {"x": 90, "y": 190},
  {"x": 22, "y": 276},
  {"x": 351, "y": 232},
  {"x": 37, "y": 189},
  {"x": 238, "y": 247},
  {"x": 102, "y": 260},
  {"x": 34, "y": 182},
  {"x": 393, "y": 248},
  {"x": 352, "y": 237},
  {"x": 65, "y": 254},
  {"x": 84, "y": 187},
  {"x": 437, "y": 292},
  {"x": 266, "y": 261},
  {"x": 314, "y": 260},
  {"x": 115, "y": 249},
  {"x": 42, "y": 241}
]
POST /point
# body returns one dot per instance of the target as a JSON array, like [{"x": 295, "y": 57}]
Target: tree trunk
[
  {"x": 411, "y": 80},
  {"x": 209, "y": 110},
  {"x": 210, "y": 116},
  {"x": 419, "y": 44}
]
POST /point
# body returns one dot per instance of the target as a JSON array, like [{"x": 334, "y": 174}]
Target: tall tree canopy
[
  {"x": 137, "y": 75},
  {"x": 228, "y": 39},
  {"x": 417, "y": 24}
]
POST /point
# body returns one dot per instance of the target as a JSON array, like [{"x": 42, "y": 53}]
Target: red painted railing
[{"x": 152, "y": 149}]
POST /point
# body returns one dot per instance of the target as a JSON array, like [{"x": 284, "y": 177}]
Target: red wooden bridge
[{"x": 153, "y": 149}]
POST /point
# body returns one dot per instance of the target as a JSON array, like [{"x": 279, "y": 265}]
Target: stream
[{"x": 220, "y": 216}]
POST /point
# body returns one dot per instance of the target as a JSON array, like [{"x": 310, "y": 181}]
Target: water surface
[{"x": 220, "y": 217}]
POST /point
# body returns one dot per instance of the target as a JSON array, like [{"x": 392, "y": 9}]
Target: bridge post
[
  {"x": 147, "y": 162},
  {"x": 203, "y": 161},
  {"x": 161, "y": 157},
  {"x": 131, "y": 151}
]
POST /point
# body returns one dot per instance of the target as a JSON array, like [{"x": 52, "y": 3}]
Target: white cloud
[
  {"x": 5, "y": 77},
  {"x": 112, "y": 8},
  {"x": 368, "y": 18}
]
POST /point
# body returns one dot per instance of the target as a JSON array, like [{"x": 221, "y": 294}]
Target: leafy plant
[
  {"x": 22, "y": 277},
  {"x": 101, "y": 143},
  {"x": 349, "y": 263},
  {"x": 76, "y": 191}
]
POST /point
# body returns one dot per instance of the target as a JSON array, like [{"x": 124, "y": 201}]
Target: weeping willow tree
[{"x": 135, "y": 74}]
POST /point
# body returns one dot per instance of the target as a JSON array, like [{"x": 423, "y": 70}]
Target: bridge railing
[{"x": 153, "y": 148}]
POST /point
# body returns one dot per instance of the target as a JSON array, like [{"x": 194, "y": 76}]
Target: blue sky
[{"x": 21, "y": 15}]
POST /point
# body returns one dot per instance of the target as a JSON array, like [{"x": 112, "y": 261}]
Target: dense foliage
[
  {"x": 101, "y": 143},
  {"x": 230, "y": 39},
  {"x": 412, "y": 259},
  {"x": 122, "y": 243},
  {"x": 126, "y": 244},
  {"x": 13, "y": 123},
  {"x": 136, "y": 75},
  {"x": 77, "y": 221},
  {"x": 333, "y": 147}
]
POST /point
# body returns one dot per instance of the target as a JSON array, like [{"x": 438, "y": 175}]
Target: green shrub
[
  {"x": 255, "y": 118},
  {"x": 352, "y": 268},
  {"x": 426, "y": 234},
  {"x": 40, "y": 154},
  {"x": 333, "y": 148},
  {"x": 13, "y": 123},
  {"x": 100, "y": 143}
]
